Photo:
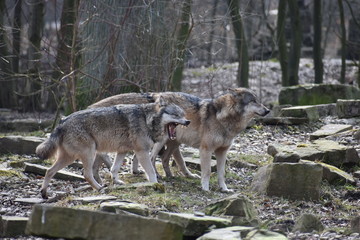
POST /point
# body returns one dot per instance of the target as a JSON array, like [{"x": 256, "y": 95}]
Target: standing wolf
[
  {"x": 214, "y": 124},
  {"x": 110, "y": 129}
]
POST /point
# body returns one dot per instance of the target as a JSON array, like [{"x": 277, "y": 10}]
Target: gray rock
[
  {"x": 289, "y": 180},
  {"x": 240, "y": 209},
  {"x": 348, "y": 108},
  {"x": 313, "y": 94},
  {"x": 19, "y": 144},
  {"x": 194, "y": 226},
  {"x": 12, "y": 226},
  {"x": 229, "y": 233},
  {"x": 119, "y": 207},
  {"x": 329, "y": 129},
  {"x": 59, "y": 222},
  {"x": 62, "y": 175},
  {"x": 286, "y": 157},
  {"x": 355, "y": 224},
  {"x": 29, "y": 200},
  {"x": 308, "y": 223},
  {"x": 334, "y": 175},
  {"x": 265, "y": 235}
]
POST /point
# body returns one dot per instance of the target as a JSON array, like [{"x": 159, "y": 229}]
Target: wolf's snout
[
  {"x": 266, "y": 111},
  {"x": 187, "y": 122}
]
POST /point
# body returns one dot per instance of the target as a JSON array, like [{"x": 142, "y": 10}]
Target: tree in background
[
  {"x": 343, "y": 41},
  {"x": 317, "y": 51},
  {"x": 241, "y": 45},
  {"x": 281, "y": 41},
  {"x": 181, "y": 40}
]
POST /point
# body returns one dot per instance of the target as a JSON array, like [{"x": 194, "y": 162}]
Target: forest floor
[{"x": 337, "y": 205}]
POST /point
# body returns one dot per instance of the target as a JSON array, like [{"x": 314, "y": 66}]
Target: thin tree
[
  {"x": 182, "y": 37},
  {"x": 241, "y": 45},
  {"x": 343, "y": 42},
  {"x": 281, "y": 41},
  {"x": 318, "y": 63},
  {"x": 295, "y": 43}
]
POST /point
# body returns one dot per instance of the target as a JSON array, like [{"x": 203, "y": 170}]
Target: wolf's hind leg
[
  {"x": 88, "y": 158},
  {"x": 205, "y": 162},
  {"x": 154, "y": 153},
  {"x": 181, "y": 164},
  {"x": 144, "y": 158},
  {"x": 119, "y": 159},
  {"x": 63, "y": 160}
]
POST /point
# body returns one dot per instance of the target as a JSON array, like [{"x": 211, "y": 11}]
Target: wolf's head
[
  {"x": 240, "y": 102},
  {"x": 171, "y": 116}
]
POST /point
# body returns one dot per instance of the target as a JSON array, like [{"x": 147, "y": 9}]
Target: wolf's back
[{"x": 48, "y": 148}]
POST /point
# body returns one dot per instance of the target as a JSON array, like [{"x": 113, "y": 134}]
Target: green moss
[{"x": 9, "y": 173}]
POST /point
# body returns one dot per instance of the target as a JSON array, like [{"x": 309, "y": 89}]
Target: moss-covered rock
[{"x": 317, "y": 94}]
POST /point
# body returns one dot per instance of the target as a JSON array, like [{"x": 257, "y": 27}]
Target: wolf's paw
[
  {"x": 44, "y": 194},
  {"x": 226, "y": 190},
  {"x": 193, "y": 176},
  {"x": 118, "y": 182},
  {"x": 137, "y": 172}
]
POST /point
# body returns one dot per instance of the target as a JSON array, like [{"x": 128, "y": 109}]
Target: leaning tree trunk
[
  {"x": 343, "y": 42},
  {"x": 241, "y": 45},
  {"x": 295, "y": 43},
  {"x": 281, "y": 41},
  {"x": 182, "y": 37},
  {"x": 318, "y": 64}
]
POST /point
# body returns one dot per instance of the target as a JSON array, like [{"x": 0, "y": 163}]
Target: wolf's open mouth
[{"x": 171, "y": 127}]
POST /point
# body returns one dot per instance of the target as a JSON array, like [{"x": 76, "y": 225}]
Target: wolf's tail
[{"x": 48, "y": 148}]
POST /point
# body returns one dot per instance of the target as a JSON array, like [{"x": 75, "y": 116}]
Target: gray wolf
[
  {"x": 110, "y": 129},
  {"x": 214, "y": 124}
]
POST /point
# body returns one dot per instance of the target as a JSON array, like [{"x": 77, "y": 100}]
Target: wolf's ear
[{"x": 160, "y": 101}]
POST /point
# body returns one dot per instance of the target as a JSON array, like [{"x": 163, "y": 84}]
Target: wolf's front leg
[
  {"x": 205, "y": 162},
  {"x": 220, "y": 155},
  {"x": 116, "y": 167},
  {"x": 144, "y": 159}
]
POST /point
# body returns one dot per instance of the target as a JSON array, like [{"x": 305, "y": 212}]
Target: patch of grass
[
  {"x": 259, "y": 160},
  {"x": 9, "y": 173}
]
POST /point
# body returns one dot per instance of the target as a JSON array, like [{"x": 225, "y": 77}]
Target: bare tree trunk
[
  {"x": 281, "y": 41},
  {"x": 65, "y": 54},
  {"x": 31, "y": 99},
  {"x": 241, "y": 45},
  {"x": 295, "y": 43},
  {"x": 7, "y": 84},
  {"x": 343, "y": 42},
  {"x": 16, "y": 30},
  {"x": 318, "y": 64},
  {"x": 182, "y": 38},
  {"x": 211, "y": 34}
]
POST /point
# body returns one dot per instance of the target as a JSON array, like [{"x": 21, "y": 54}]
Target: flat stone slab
[
  {"x": 59, "y": 222},
  {"x": 19, "y": 144},
  {"x": 194, "y": 225},
  {"x": 121, "y": 206},
  {"x": 62, "y": 175},
  {"x": 12, "y": 226},
  {"x": 24, "y": 125},
  {"x": 326, "y": 151},
  {"x": 29, "y": 200},
  {"x": 92, "y": 199},
  {"x": 309, "y": 112},
  {"x": 329, "y": 129},
  {"x": 282, "y": 120},
  {"x": 229, "y": 233}
]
